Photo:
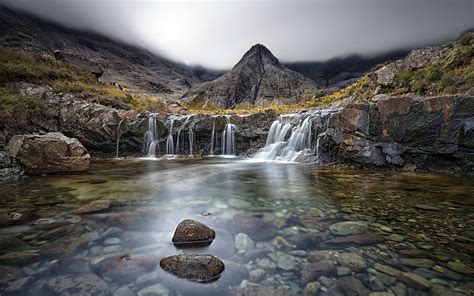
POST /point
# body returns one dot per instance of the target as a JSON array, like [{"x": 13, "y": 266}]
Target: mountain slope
[
  {"x": 257, "y": 78},
  {"x": 341, "y": 71},
  {"x": 136, "y": 70}
]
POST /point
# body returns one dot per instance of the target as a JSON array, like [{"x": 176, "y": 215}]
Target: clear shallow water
[{"x": 419, "y": 224}]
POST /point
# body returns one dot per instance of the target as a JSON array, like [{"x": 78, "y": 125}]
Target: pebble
[{"x": 342, "y": 270}]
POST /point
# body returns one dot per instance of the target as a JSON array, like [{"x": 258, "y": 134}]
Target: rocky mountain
[
  {"x": 136, "y": 70},
  {"x": 257, "y": 78},
  {"x": 341, "y": 71}
]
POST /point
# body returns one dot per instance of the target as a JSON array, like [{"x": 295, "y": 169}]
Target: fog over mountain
[{"x": 214, "y": 34}]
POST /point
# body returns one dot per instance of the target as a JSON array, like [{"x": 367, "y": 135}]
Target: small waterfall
[
  {"x": 169, "y": 140},
  {"x": 151, "y": 137},
  {"x": 185, "y": 123},
  {"x": 291, "y": 136},
  {"x": 228, "y": 138},
  {"x": 119, "y": 134},
  {"x": 213, "y": 136}
]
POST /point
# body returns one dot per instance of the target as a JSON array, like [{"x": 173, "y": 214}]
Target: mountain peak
[{"x": 260, "y": 54}]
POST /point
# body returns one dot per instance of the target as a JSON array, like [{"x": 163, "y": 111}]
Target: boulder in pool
[
  {"x": 193, "y": 233},
  {"x": 49, "y": 153},
  {"x": 254, "y": 226},
  {"x": 126, "y": 268},
  {"x": 202, "y": 268}
]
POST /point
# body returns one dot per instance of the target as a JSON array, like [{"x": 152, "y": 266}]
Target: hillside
[{"x": 133, "y": 69}]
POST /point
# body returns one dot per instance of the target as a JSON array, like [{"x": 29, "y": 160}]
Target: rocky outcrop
[
  {"x": 49, "y": 153},
  {"x": 257, "y": 78},
  {"x": 10, "y": 170},
  {"x": 412, "y": 133}
]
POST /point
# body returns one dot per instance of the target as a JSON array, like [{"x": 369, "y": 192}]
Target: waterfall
[
  {"x": 151, "y": 137},
  {"x": 291, "y": 136},
  {"x": 169, "y": 140},
  {"x": 119, "y": 134},
  {"x": 213, "y": 136},
  {"x": 185, "y": 123},
  {"x": 228, "y": 138}
]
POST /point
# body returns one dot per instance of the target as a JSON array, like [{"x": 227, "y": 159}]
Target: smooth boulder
[
  {"x": 201, "y": 268},
  {"x": 191, "y": 233},
  {"x": 49, "y": 153}
]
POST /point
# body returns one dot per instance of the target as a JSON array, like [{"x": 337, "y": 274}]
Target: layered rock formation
[
  {"x": 257, "y": 78},
  {"x": 49, "y": 153}
]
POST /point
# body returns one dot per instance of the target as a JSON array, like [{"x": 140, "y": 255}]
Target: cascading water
[
  {"x": 228, "y": 138},
  {"x": 119, "y": 134},
  {"x": 185, "y": 123},
  {"x": 291, "y": 136},
  {"x": 213, "y": 136},
  {"x": 151, "y": 137}
]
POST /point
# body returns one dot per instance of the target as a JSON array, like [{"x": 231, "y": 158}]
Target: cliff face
[
  {"x": 257, "y": 78},
  {"x": 134, "y": 69}
]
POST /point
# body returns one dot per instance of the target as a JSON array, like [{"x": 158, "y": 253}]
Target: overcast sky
[{"x": 217, "y": 33}]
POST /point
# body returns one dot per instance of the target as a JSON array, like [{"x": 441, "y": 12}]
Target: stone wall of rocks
[{"x": 434, "y": 133}]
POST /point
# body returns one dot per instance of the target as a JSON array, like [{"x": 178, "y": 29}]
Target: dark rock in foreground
[
  {"x": 49, "y": 153},
  {"x": 191, "y": 233},
  {"x": 194, "y": 267}
]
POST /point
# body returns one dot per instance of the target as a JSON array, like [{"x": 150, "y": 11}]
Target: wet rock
[
  {"x": 256, "y": 275},
  {"x": 49, "y": 153},
  {"x": 460, "y": 267},
  {"x": 342, "y": 270},
  {"x": 48, "y": 223},
  {"x": 155, "y": 290},
  {"x": 243, "y": 243},
  {"x": 261, "y": 291},
  {"x": 319, "y": 255},
  {"x": 94, "y": 206},
  {"x": 312, "y": 271},
  {"x": 387, "y": 269},
  {"x": 352, "y": 261},
  {"x": 266, "y": 264},
  {"x": 72, "y": 265},
  {"x": 396, "y": 237},
  {"x": 19, "y": 258},
  {"x": 311, "y": 289},
  {"x": 10, "y": 273},
  {"x": 63, "y": 246},
  {"x": 427, "y": 207},
  {"x": 414, "y": 280},
  {"x": 348, "y": 228},
  {"x": 191, "y": 233},
  {"x": 352, "y": 286},
  {"x": 254, "y": 226},
  {"x": 126, "y": 268},
  {"x": 148, "y": 279},
  {"x": 69, "y": 285},
  {"x": 310, "y": 240},
  {"x": 10, "y": 242},
  {"x": 194, "y": 267},
  {"x": 417, "y": 262},
  {"x": 351, "y": 240},
  {"x": 437, "y": 290},
  {"x": 448, "y": 273},
  {"x": 18, "y": 287}
]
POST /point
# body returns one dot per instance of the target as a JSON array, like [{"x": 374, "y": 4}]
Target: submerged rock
[
  {"x": 243, "y": 243},
  {"x": 126, "y": 268},
  {"x": 194, "y": 267},
  {"x": 86, "y": 284},
  {"x": 351, "y": 240},
  {"x": 312, "y": 271},
  {"x": 254, "y": 226},
  {"x": 191, "y": 233},
  {"x": 348, "y": 228},
  {"x": 10, "y": 242},
  {"x": 49, "y": 153},
  {"x": 94, "y": 206},
  {"x": 261, "y": 291}
]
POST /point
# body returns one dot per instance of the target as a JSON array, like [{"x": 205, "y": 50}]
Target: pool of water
[{"x": 309, "y": 230}]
